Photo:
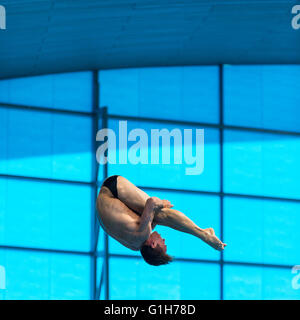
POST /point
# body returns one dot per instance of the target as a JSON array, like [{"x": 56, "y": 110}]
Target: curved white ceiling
[{"x": 45, "y": 36}]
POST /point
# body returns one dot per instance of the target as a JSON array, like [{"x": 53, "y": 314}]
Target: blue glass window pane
[
  {"x": 261, "y": 231},
  {"x": 101, "y": 240},
  {"x": 261, "y": 164},
  {"x": 170, "y": 175},
  {"x": 116, "y": 247},
  {"x": 138, "y": 280},
  {"x": 202, "y": 210},
  {"x": 68, "y": 91},
  {"x": 177, "y": 93},
  {"x": 100, "y": 278},
  {"x": 102, "y": 295},
  {"x": 100, "y": 176},
  {"x": 41, "y": 144},
  {"x": 37, "y": 275},
  {"x": 258, "y": 283},
  {"x": 262, "y": 96},
  {"x": 46, "y": 215}
]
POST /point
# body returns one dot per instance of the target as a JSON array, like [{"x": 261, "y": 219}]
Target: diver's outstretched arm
[{"x": 178, "y": 221}]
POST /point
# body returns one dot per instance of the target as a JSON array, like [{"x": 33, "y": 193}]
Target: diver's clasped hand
[{"x": 157, "y": 204}]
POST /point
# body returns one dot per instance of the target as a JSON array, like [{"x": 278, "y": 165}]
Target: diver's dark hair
[{"x": 155, "y": 256}]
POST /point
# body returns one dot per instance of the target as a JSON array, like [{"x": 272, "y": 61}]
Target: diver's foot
[{"x": 214, "y": 241}]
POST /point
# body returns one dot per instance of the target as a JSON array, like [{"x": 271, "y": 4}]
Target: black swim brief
[{"x": 111, "y": 184}]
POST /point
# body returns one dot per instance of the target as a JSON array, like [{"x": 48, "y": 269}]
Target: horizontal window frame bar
[
  {"x": 98, "y": 184},
  {"x": 129, "y": 256},
  {"x": 47, "y": 110},
  {"x": 221, "y": 194},
  {"x": 218, "y": 262},
  {"x": 146, "y": 119},
  {"x": 204, "y": 124},
  {"x": 258, "y": 264},
  {"x": 47, "y": 250},
  {"x": 126, "y": 256},
  {"x": 50, "y": 180}
]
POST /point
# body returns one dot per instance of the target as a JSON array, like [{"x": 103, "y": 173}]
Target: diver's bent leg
[
  {"x": 136, "y": 199},
  {"x": 131, "y": 195},
  {"x": 178, "y": 221}
]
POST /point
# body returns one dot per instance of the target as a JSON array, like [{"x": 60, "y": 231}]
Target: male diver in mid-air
[{"x": 129, "y": 215}]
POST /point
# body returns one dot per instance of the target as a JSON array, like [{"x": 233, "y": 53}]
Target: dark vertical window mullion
[
  {"x": 221, "y": 131},
  {"x": 106, "y": 240},
  {"x": 95, "y": 169}
]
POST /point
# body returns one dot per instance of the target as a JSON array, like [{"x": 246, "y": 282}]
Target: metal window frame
[
  {"x": 102, "y": 114},
  {"x": 221, "y": 128},
  {"x": 93, "y": 254}
]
